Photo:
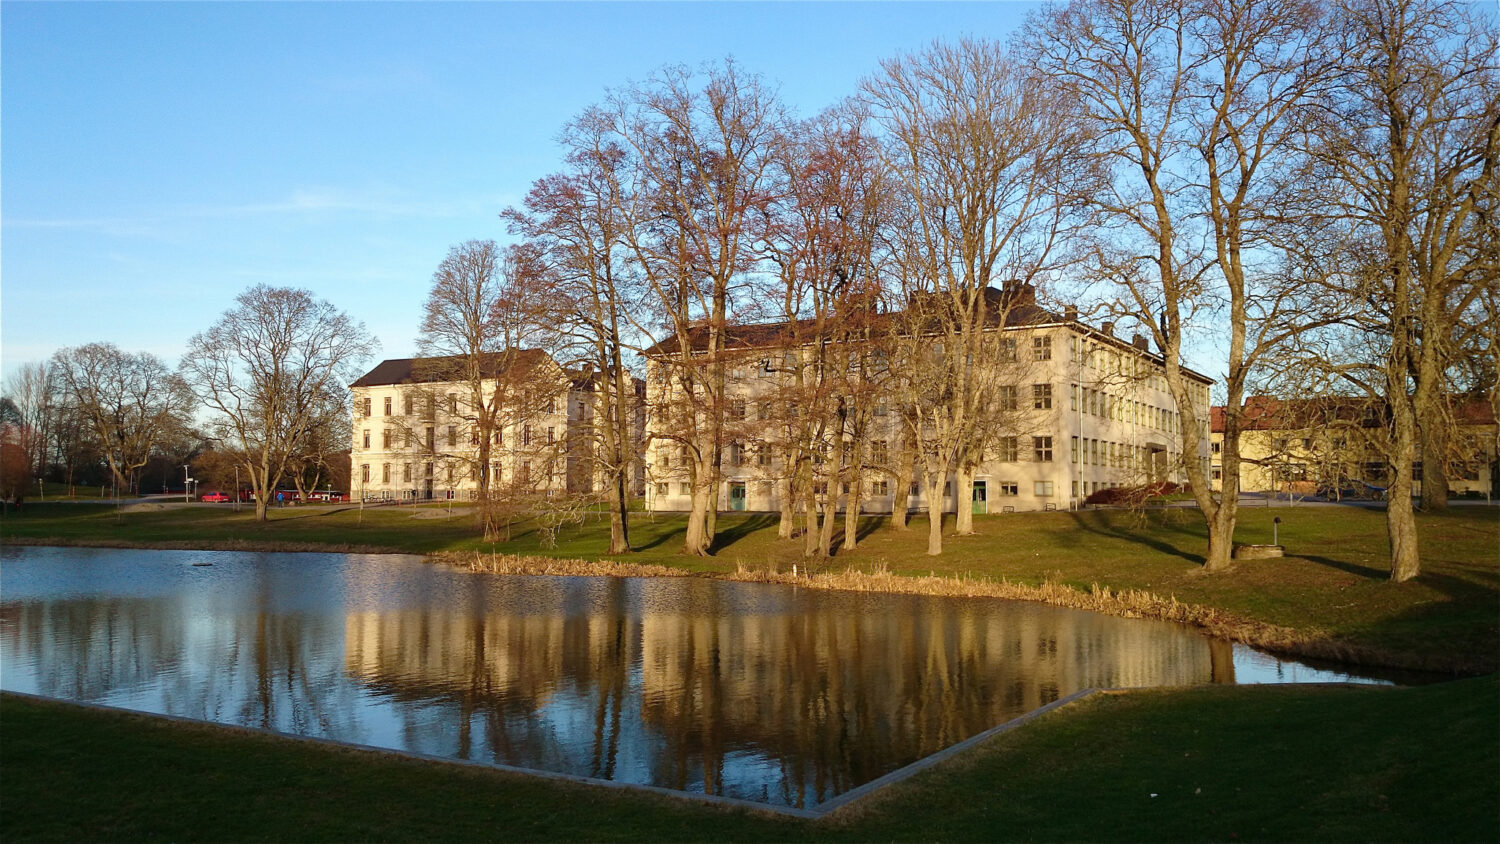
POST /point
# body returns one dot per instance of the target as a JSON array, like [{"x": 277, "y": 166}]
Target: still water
[{"x": 760, "y": 692}]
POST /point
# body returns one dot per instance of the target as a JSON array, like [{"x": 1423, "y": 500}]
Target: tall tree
[
  {"x": 31, "y": 388},
  {"x": 976, "y": 154},
  {"x": 1192, "y": 109},
  {"x": 576, "y": 220},
  {"x": 263, "y": 371},
  {"x": 696, "y": 203},
  {"x": 482, "y": 324},
  {"x": 1408, "y": 147},
  {"x": 130, "y": 402}
]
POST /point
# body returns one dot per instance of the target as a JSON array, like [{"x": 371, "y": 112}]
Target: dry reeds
[{"x": 517, "y": 564}]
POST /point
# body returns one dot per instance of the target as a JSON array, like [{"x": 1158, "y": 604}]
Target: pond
[{"x": 759, "y": 692}]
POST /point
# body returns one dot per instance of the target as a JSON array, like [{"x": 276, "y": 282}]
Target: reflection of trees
[
  {"x": 88, "y": 649},
  {"x": 816, "y": 692},
  {"x": 219, "y": 653},
  {"x": 738, "y": 689}
]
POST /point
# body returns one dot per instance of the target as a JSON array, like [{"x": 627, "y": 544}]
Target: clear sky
[{"x": 157, "y": 159}]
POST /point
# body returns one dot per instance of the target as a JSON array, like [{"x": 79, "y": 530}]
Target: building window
[
  {"x": 551, "y": 434},
  {"x": 385, "y": 473},
  {"x": 387, "y": 405},
  {"x": 406, "y": 405},
  {"x": 762, "y": 410},
  {"x": 452, "y": 436},
  {"x": 431, "y": 442},
  {"x": 736, "y": 454},
  {"x": 685, "y": 488},
  {"x": 1041, "y": 348},
  {"x": 1074, "y": 450},
  {"x": 364, "y": 405},
  {"x": 881, "y": 409},
  {"x": 661, "y": 490},
  {"x": 1007, "y": 348},
  {"x": 385, "y": 439},
  {"x": 526, "y": 434},
  {"x": 1006, "y": 398},
  {"x": 880, "y": 452},
  {"x": 1042, "y": 449},
  {"x": 880, "y": 487},
  {"x": 1215, "y": 447},
  {"x": 763, "y": 456},
  {"x": 1007, "y": 449},
  {"x": 1008, "y": 488},
  {"x": 452, "y": 404},
  {"x": 1042, "y": 488},
  {"x": 367, "y": 439},
  {"x": 364, "y": 473},
  {"x": 406, "y": 472},
  {"x": 1041, "y": 396},
  {"x": 737, "y": 410}
]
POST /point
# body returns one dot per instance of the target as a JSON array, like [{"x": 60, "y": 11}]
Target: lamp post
[
  {"x": 1275, "y": 531},
  {"x": 185, "y": 497}
]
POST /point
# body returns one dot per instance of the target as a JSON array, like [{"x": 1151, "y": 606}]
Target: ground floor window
[
  {"x": 1009, "y": 488},
  {"x": 1042, "y": 488}
]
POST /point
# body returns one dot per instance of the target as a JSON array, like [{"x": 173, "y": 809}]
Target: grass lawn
[
  {"x": 1334, "y": 584},
  {"x": 1200, "y": 764}
]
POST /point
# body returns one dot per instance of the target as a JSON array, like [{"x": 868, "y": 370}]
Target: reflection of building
[
  {"x": 1074, "y": 410},
  {"x": 718, "y": 690},
  {"x": 416, "y": 431},
  {"x": 1327, "y": 445}
]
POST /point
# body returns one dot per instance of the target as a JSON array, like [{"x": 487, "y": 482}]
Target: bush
[{"x": 1132, "y": 496}]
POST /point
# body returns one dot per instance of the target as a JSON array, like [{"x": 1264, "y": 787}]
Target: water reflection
[{"x": 760, "y": 692}]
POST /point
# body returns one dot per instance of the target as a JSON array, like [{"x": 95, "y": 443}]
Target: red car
[{"x": 215, "y": 497}]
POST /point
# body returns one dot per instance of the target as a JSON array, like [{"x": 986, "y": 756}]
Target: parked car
[{"x": 215, "y": 497}]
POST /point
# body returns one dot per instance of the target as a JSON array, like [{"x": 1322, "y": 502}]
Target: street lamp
[{"x": 185, "y": 480}]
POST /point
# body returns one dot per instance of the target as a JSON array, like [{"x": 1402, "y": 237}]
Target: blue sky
[{"x": 157, "y": 159}]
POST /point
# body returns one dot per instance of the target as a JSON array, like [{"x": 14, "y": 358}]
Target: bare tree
[
  {"x": 695, "y": 204},
  {"x": 1408, "y": 146},
  {"x": 31, "y": 388},
  {"x": 482, "y": 325},
  {"x": 576, "y": 222},
  {"x": 129, "y": 402},
  {"x": 976, "y": 154},
  {"x": 1194, "y": 110},
  {"x": 263, "y": 371}
]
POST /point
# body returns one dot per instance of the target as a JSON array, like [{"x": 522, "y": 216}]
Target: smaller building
[
  {"x": 1331, "y": 446},
  {"x": 417, "y": 428}
]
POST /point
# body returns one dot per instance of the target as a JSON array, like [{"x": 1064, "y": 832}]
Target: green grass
[
  {"x": 1201, "y": 764},
  {"x": 1334, "y": 583}
]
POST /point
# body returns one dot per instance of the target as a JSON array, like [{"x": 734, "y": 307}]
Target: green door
[
  {"x": 736, "y": 495},
  {"x": 981, "y": 503}
]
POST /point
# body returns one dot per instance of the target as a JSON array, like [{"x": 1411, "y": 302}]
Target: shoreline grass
[
  {"x": 1329, "y": 599},
  {"x": 1206, "y": 763}
]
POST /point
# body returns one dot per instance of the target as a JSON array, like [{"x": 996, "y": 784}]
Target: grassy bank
[
  {"x": 1201, "y": 764},
  {"x": 1330, "y": 597}
]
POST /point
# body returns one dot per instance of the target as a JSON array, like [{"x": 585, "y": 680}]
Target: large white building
[
  {"x": 415, "y": 435},
  {"x": 1086, "y": 411}
]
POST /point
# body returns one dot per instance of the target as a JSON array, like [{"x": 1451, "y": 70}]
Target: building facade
[
  {"x": 1077, "y": 410},
  {"x": 1331, "y": 446},
  {"x": 416, "y": 435}
]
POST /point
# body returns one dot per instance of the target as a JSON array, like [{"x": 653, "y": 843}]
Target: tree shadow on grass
[
  {"x": 727, "y": 536},
  {"x": 1139, "y": 535}
]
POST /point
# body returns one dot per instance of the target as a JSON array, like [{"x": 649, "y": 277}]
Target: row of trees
[
  {"x": 1312, "y": 185},
  {"x": 261, "y": 391}
]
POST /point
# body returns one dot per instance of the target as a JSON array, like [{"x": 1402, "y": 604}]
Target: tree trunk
[
  {"x": 787, "y": 527},
  {"x": 963, "y": 496},
  {"x": 810, "y": 522},
  {"x": 851, "y": 514},
  {"x": 934, "y": 515},
  {"x": 696, "y": 542},
  {"x": 1434, "y": 465},
  {"x": 619, "y": 528},
  {"x": 1401, "y": 524},
  {"x": 901, "y": 501}
]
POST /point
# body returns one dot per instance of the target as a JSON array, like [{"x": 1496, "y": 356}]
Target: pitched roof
[
  {"x": 426, "y": 370},
  {"x": 1269, "y": 413}
]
